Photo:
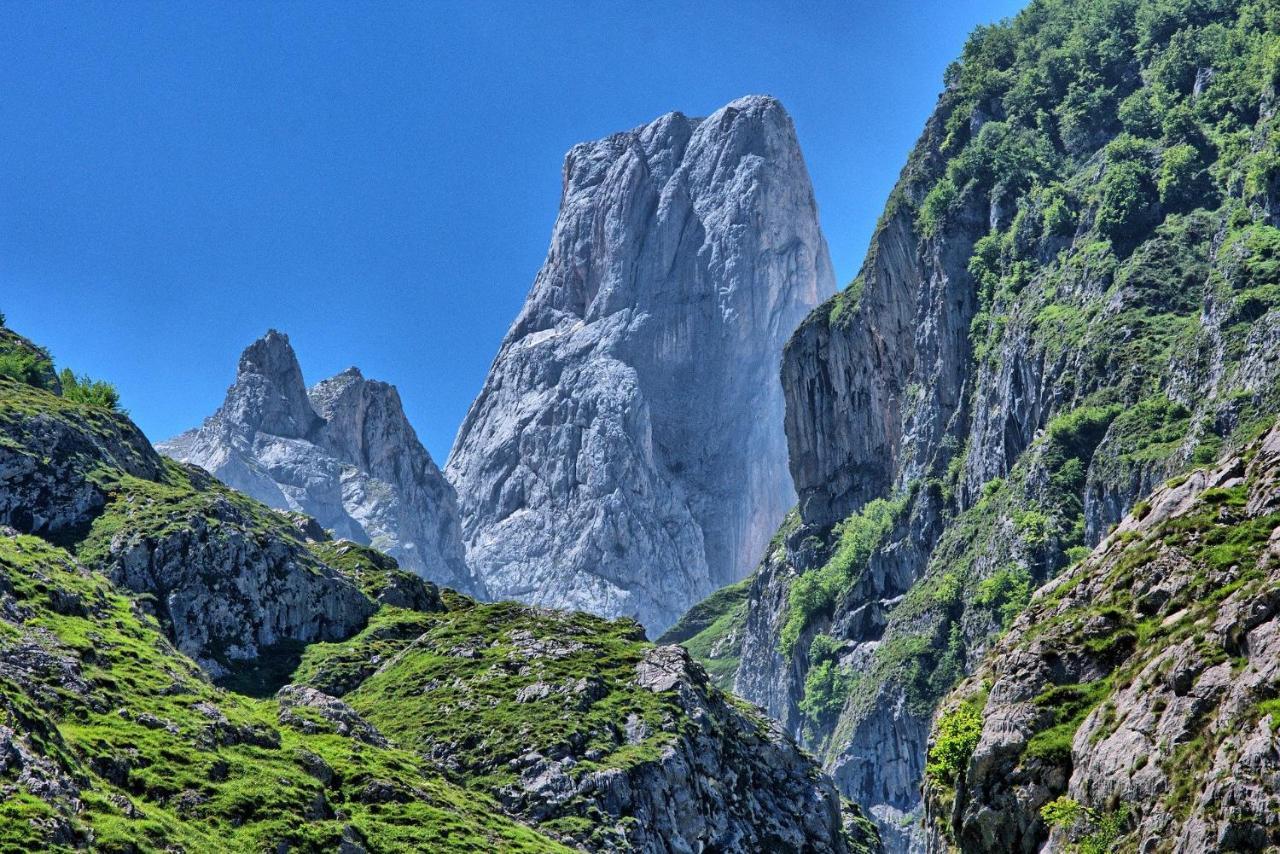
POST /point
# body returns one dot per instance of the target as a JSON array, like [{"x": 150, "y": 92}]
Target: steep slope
[
  {"x": 1070, "y": 297},
  {"x": 343, "y": 453},
  {"x": 625, "y": 455},
  {"x": 127, "y": 581},
  {"x": 1134, "y": 703}
]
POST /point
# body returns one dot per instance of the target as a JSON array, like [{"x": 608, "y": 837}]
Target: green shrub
[
  {"x": 826, "y": 685},
  {"x": 1107, "y": 829},
  {"x": 1126, "y": 198},
  {"x": 1139, "y": 114},
  {"x": 1006, "y": 593},
  {"x": 1075, "y": 434},
  {"x": 956, "y": 737},
  {"x": 1058, "y": 219},
  {"x": 84, "y": 389},
  {"x": 817, "y": 590},
  {"x": 1181, "y": 182},
  {"x": 25, "y": 366},
  {"x": 933, "y": 210},
  {"x": 1063, "y": 812}
]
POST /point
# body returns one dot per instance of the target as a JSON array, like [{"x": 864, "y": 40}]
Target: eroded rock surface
[
  {"x": 626, "y": 454},
  {"x": 1138, "y": 690},
  {"x": 343, "y": 453}
]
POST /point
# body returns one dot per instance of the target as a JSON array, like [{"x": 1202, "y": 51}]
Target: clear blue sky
[{"x": 380, "y": 180}]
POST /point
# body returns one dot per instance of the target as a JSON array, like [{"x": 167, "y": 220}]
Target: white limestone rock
[
  {"x": 626, "y": 455},
  {"x": 343, "y": 453}
]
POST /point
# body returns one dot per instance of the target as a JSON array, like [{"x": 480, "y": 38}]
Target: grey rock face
[
  {"x": 227, "y": 589},
  {"x": 1178, "y": 747},
  {"x": 625, "y": 455},
  {"x": 754, "y": 791},
  {"x": 343, "y": 453}
]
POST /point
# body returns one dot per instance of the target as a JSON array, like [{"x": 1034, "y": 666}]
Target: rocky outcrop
[
  {"x": 1133, "y": 704},
  {"x": 751, "y": 793},
  {"x": 228, "y": 577},
  {"x": 625, "y": 455},
  {"x": 48, "y": 456},
  {"x": 227, "y": 585},
  {"x": 755, "y": 792},
  {"x": 312, "y": 711},
  {"x": 581, "y": 728},
  {"x": 343, "y": 453}
]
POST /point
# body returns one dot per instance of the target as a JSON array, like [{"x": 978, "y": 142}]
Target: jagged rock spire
[
  {"x": 343, "y": 452},
  {"x": 626, "y": 454}
]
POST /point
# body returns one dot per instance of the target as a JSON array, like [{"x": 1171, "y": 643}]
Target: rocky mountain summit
[
  {"x": 342, "y": 453},
  {"x": 1072, "y": 295},
  {"x": 185, "y": 668},
  {"x": 626, "y": 453}
]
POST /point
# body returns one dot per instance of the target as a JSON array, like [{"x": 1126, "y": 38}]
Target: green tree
[
  {"x": 1126, "y": 202},
  {"x": 1182, "y": 181},
  {"x": 84, "y": 389}
]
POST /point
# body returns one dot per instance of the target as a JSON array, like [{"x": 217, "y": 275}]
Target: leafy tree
[
  {"x": 957, "y": 735},
  {"x": 84, "y": 389},
  {"x": 1182, "y": 182},
  {"x": 1126, "y": 202},
  {"x": 827, "y": 684},
  {"x": 933, "y": 210},
  {"x": 1063, "y": 812}
]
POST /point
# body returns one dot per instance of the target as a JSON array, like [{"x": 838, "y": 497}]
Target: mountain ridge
[{"x": 342, "y": 452}]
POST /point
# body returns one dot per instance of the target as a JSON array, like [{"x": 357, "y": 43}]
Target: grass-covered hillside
[{"x": 185, "y": 669}]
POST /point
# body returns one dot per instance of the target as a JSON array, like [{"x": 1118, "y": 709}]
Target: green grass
[
  {"x": 709, "y": 630},
  {"x": 1069, "y": 705},
  {"x": 237, "y": 783},
  {"x": 459, "y": 690}
]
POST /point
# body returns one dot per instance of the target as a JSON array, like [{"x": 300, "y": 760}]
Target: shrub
[
  {"x": 1139, "y": 116},
  {"x": 817, "y": 590},
  {"x": 957, "y": 735},
  {"x": 933, "y": 210},
  {"x": 84, "y": 389},
  {"x": 25, "y": 366},
  {"x": 1063, "y": 812},
  {"x": 1006, "y": 593},
  {"x": 827, "y": 684},
  {"x": 1076, "y": 433},
  {"x": 1058, "y": 219},
  {"x": 1181, "y": 181}
]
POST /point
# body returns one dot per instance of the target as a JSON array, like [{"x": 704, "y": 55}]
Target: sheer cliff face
[
  {"x": 626, "y": 454},
  {"x": 1050, "y": 322},
  {"x": 343, "y": 453}
]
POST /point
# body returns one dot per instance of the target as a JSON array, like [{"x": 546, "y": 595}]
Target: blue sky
[{"x": 380, "y": 180}]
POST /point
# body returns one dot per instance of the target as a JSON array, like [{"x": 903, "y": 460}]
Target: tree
[{"x": 84, "y": 389}]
